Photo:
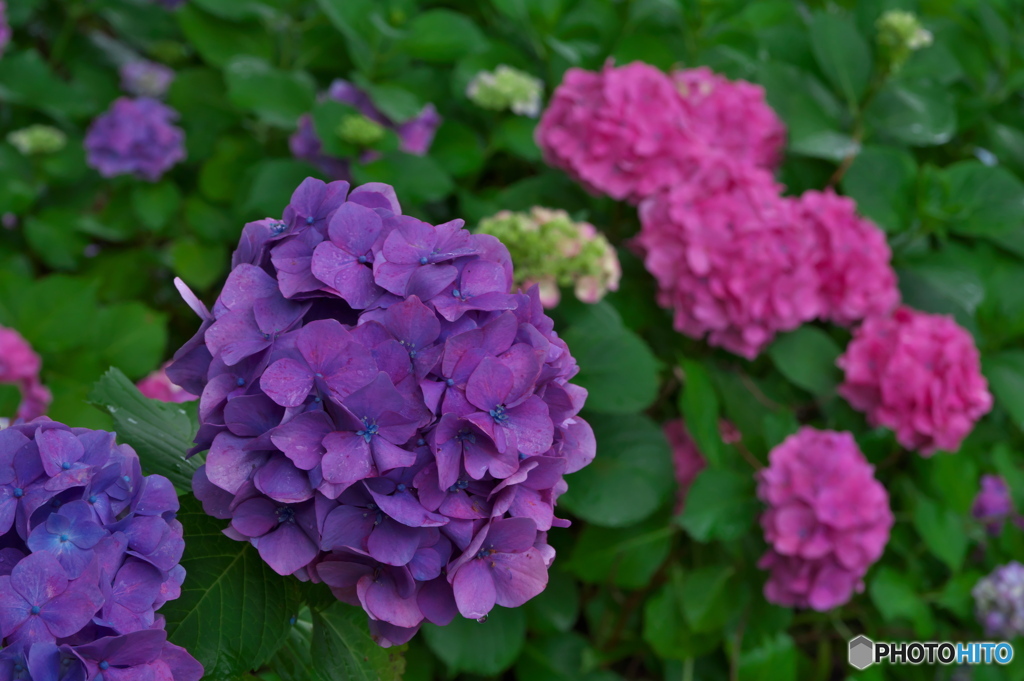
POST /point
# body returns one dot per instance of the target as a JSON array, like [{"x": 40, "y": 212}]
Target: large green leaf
[
  {"x": 234, "y": 611},
  {"x": 665, "y": 625},
  {"x": 160, "y": 432},
  {"x": 218, "y": 40},
  {"x": 699, "y": 403},
  {"x": 616, "y": 367},
  {"x": 353, "y": 19},
  {"x": 1005, "y": 372},
  {"x": 275, "y": 96},
  {"x": 486, "y": 648},
  {"x": 881, "y": 180},
  {"x": 918, "y": 113},
  {"x": 417, "y": 179},
  {"x": 983, "y": 200},
  {"x": 896, "y": 595},
  {"x": 343, "y": 649},
  {"x": 943, "y": 531},
  {"x": 720, "y": 505},
  {"x": 630, "y": 477},
  {"x": 807, "y": 357},
  {"x": 441, "y": 35},
  {"x": 842, "y": 54},
  {"x": 626, "y": 557},
  {"x": 25, "y": 78},
  {"x": 131, "y": 337}
]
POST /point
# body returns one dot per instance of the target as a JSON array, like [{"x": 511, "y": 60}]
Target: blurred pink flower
[
  {"x": 827, "y": 521},
  {"x": 918, "y": 374},
  {"x": 686, "y": 459},
  {"x": 729, "y": 257},
  {"x": 621, "y": 131},
  {"x": 732, "y": 116},
  {"x": 157, "y": 386},
  {"x": 853, "y": 257},
  {"x": 20, "y": 365}
]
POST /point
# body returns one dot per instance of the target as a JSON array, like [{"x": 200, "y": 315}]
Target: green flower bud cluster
[
  {"x": 507, "y": 88},
  {"x": 552, "y": 251},
  {"x": 37, "y": 139},
  {"x": 359, "y": 130},
  {"x": 899, "y": 35}
]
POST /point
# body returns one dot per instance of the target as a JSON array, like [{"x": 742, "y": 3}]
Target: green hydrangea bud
[
  {"x": 359, "y": 130},
  {"x": 552, "y": 251},
  {"x": 899, "y": 34},
  {"x": 37, "y": 139},
  {"x": 506, "y": 88}
]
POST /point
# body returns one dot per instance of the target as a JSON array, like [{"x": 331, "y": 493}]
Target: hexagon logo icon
[{"x": 862, "y": 652}]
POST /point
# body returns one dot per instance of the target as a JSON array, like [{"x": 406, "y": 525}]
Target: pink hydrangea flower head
[
  {"x": 827, "y": 521},
  {"x": 729, "y": 257},
  {"x": 853, "y": 259},
  {"x": 686, "y": 459},
  {"x": 918, "y": 374},
  {"x": 620, "y": 131},
  {"x": 731, "y": 115},
  {"x": 157, "y": 386},
  {"x": 20, "y": 366}
]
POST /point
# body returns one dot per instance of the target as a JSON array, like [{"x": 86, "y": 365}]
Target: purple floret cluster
[
  {"x": 999, "y": 601},
  {"x": 90, "y": 551},
  {"x": 382, "y": 413},
  {"x": 135, "y": 137}
]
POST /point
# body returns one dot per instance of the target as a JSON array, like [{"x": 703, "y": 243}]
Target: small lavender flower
[
  {"x": 135, "y": 137},
  {"x": 382, "y": 413},
  {"x": 999, "y": 601},
  {"x": 414, "y": 136},
  {"x": 507, "y": 88},
  {"x": 993, "y": 504},
  {"x": 146, "y": 78},
  {"x": 91, "y": 552}
]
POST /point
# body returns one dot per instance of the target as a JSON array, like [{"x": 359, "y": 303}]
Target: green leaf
[
  {"x": 809, "y": 111},
  {"x": 842, "y": 54},
  {"x": 344, "y": 650},
  {"x": 198, "y": 94},
  {"x": 630, "y": 477},
  {"x": 554, "y": 658},
  {"x": 458, "y": 149},
  {"x": 417, "y": 179},
  {"x": 486, "y": 648},
  {"x": 983, "y": 200},
  {"x": 919, "y": 113},
  {"x": 56, "y": 314},
  {"x": 275, "y": 96},
  {"x": 25, "y": 78},
  {"x": 198, "y": 264},
  {"x": 1006, "y": 463},
  {"x": 160, "y": 432},
  {"x": 54, "y": 236},
  {"x": 272, "y": 185},
  {"x": 131, "y": 337},
  {"x": 1005, "y": 373},
  {"x": 698, "y": 402},
  {"x": 156, "y": 204},
  {"x": 441, "y": 35},
  {"x": 353, "y": 19},
  {"x": 626, "y": 557},
  {"x": 942, "y": 530},
  {"x": 706, "y": 601},
  {"x": 773, "y": 660},
  {"x": 720, "y": 505},
  {"x": 218, "y": 41},
  {"x": 515, "y": 135},
  {"x": 234, "y": 611},
  {"x": 807, "y": 357},
  {"x": 896, "y": 595},
  {"x": 394, "y": 101},
  {"x": 881, "y": 180},
  {"x": 665, "y": 625},
  {"x": 557, "y": 607},
  {"x": 617, "y": 368}
]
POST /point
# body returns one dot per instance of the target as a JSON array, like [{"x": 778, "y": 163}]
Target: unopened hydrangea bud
[
  {"x": 359, "y": 130},
  {"x": 37, "y": 139},
  {"x": 899, "y": 34},
  {"x": 146, "y": 78},
  {"x": 551, "y": 250},
  {"x": 506, "y": 88},
  {"x": 999, "y": 601}
]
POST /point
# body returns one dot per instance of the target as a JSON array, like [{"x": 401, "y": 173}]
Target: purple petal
[
  {"x": 229, "y": 464},
  {"x": 518, "y": 577},
  {"x": 354, "y": 281},
  {"x": 287, "y": 549},
  {"x": 475, "y": 593},
  {"x": 489, "y": 384},
  {"x": 57, "y": 448},
  {"x": 393, "y": 543},
  {"x": 301, "y": 439},
  {"x": 437, "y": 602},
  {"x": 403, "y": 507},
  {"x": 280, "y": 480},
  {"x": 355, "y": 228},
  {"x": 39, "y": 578},
  {"x": 381, "y": 600},
  {"x": 287, "y": 382},
  {"x": 347, "y": 459}
]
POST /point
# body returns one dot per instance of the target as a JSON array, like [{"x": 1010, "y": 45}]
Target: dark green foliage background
[{"x": 636, "y": 593}]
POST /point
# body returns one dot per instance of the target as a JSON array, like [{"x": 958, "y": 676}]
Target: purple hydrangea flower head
[
  {"x": 414, "y": 135},
  {"x": 135, "y": 137},
  {"x": 827, "y": 521},
  {"x": 91, "y": 551},
  {"x": 993, "y": 504},
  {"x": 383, "y": 412},
  {"x": 146, "y": 78},
  {"x": 999, "y": 601}
]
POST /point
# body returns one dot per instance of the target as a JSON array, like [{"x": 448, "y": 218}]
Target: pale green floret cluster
[
  {"x": 359, "y": 130},
  {"x": 37, "y": 139},
  {"x": 899, "y": 34},
  {"x": 507, "y": 88},
  {"x": 552, "y": 251}
]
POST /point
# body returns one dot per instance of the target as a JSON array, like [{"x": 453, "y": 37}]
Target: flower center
[
  {"x": 35, "y": 610},
  {"x": 401, "y": 487},
  {"x": 18, "y": 492},
  {"x": 423, "y": 260},
  {"x": 310, "y": 220},
  {"x": 370, "y": 430},
  {"x": 285, "y": 514},
  {"x": 499, "y": 415},
  {"x": 362, "y": 259},
  {"x": 66, "y": 466},
  {"x": 63, "y": 538},
  {"x": 277, "y": 228},
  {"x": 93, "y": 499},
  {"x": 240, "y": 382},
  {"x": 104, "y": 665},
  {"x": 462, "y": 483}
]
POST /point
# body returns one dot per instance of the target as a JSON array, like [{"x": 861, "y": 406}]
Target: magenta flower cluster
[
  {"x": 382, "y": 413},
  {"x": 918, "y": 374},
  {"x": 827, "y": 521},
  {"x": 135, "y": 137},
  {"x": 414, "y": 136},
  {"x": 20, "y": 366},
  {"x": 735, "y": 260},
  {"x": 90, "y": 553}
]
